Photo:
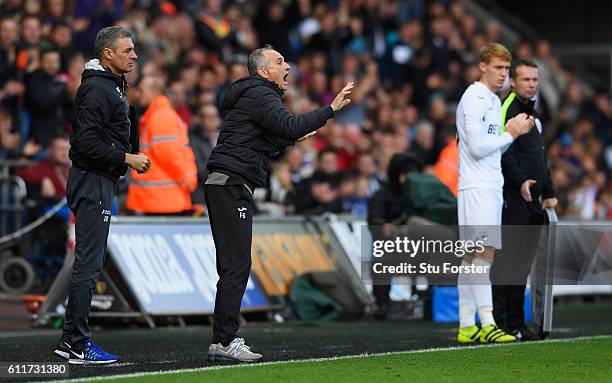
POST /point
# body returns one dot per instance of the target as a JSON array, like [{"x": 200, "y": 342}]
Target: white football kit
[{"x": 481, "y": 180}]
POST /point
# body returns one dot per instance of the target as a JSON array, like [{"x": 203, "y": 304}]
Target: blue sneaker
[
  {"x": 91, "y": 354},
  {"x": 62, "y": 349}
]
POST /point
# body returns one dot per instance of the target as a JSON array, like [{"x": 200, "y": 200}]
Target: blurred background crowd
[{"x": 411, "y": 60}]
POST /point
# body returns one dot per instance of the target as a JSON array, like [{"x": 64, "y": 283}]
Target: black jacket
[
  {"x": 387, "y": 205},
  {"x": 525, "y": 158},
  {"x": 48, "y": 102},
  {"x": 256, "y": 126},
  {"x": 103, "y": 125}
]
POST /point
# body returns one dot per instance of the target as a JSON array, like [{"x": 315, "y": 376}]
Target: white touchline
[{"x": 254, "y": 365}]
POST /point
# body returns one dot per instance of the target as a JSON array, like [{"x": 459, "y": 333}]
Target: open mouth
[{"x": 285, "y": 77}]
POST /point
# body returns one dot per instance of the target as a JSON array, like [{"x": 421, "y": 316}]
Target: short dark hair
[
  {"x": 60, "y": 136},
  {"x": 323, "y": 152},
  {"x": 50, "y": 50},
  {"x": 257, "y": 60},
  {"x": 521, "y": 62},
  {"x": 28, "y": 17},
  {"x": 60, "y": 23},
  {"x": 107, "y": 38}
]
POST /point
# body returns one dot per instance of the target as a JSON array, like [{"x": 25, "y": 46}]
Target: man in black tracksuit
[
  {"x": 385, "y": 209},
  {"x": 256, "y": 126},
  {"x": 528, "y": 190},
  {"x": 102, "y": 142}
]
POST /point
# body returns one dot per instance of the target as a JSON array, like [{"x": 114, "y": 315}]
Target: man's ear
[
  {"x": 263, "y": 72},
  {"x": 512, "y": 83},
  {"x": 482, "y": 65},
  {"x": 107, "y": 53}
]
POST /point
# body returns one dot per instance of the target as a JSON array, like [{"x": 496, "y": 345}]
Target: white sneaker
[{"x": 236, "y": 350}]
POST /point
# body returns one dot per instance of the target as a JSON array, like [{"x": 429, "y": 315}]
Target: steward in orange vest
[{"x": 166, "y": 187}]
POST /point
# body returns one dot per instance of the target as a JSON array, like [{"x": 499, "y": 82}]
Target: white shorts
[{"x": 480, "y": 216}]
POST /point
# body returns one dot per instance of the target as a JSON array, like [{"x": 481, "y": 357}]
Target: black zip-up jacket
[
  {"x": 103, "y": 124},
  {"x": 387, "y": 205},
  {"x": 256, "y": 126},
  {"x": 525, "y": 158}
]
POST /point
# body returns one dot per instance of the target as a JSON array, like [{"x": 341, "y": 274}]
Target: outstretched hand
[
  {"x": 340, "y": 101},
  {"x": 307, "y": 136}
]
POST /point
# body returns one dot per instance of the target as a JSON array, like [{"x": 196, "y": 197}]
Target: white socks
[
  {"x": 483, "y": 294},
  {"x": 467, "y": 305},
  {"x": 475, "y": 292}
]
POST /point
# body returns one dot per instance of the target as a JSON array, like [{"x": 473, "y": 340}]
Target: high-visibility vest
[
  {"x": 166, "y": 187},
  {"x": 447, "y": 168}
]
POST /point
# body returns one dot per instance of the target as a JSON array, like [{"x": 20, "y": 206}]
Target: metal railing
[{"x": 12, "y": 196}]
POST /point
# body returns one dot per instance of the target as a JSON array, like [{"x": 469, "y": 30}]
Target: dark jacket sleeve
[
  {"x": 37, "y": 96},
  {"x": 513, "y": 174},
  {"x": 376, "y": 213},
  {"x": 272, "y": 115},
  {"x": 548, "y": 191},
  {"x": 92, "y": 113},
  {"x": 282, "y": 144}
]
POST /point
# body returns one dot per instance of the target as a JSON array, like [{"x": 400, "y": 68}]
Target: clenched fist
[{"x": 138, "y": 162}]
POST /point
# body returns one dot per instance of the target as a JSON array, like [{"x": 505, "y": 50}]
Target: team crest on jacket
[{"x": 241, "y": 212}]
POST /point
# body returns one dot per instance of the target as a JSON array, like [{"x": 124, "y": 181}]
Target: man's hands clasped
[{"x": 138, "y": 162}]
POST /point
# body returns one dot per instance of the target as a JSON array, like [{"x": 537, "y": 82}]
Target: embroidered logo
[
  {"x": 241, "y": 212},
  {"x": 106, "y": 214}
]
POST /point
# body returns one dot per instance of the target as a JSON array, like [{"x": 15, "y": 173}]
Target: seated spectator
[
  {"x": 202, "y": 139},
  {"x": 279, "y": 198},
  {"x": 9, "y": 138},
  {"x": 46, "y": 180},
  {"x": 335, "y": 139},
  {"x": 354, "y": 194},
  {"x": 317, "y": 191},
  {"x": 366, "y": 166}
]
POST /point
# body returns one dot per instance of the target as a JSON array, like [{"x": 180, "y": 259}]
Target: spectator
[
  {"x": 90, "y": 17},
  {"x": 9, "y": 138},
  {"x": 213, "y": 30},
  {"x": 55, "y": 12},
  {"x": 46, "y": 180},
  {"x": 366, "y": 166},
  {"x": 61, "y": 39},
  {"x": 178, "y": 97},
  {"x": 202, "y": 138},
  {"x": 47, "y": 100},
  {"x": 273, "y": 26},
  {"x": 317, "y": 193},
  {"x": 10, "y": 88},
  {"x": 423, "y": 144},
  {"x": 353, "y": 194},
  {"x": 279, "y": 198},
  {"x": 31, "y": 33}
]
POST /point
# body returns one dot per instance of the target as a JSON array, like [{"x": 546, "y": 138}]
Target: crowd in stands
[{"x": 410, "y": 59}]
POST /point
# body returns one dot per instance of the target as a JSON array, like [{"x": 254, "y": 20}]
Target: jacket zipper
[{"x": 111, "y": 166}]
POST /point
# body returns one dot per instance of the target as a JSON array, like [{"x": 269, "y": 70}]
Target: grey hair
[
  {"x": 257, "y": 59},
  {"x": 107, "y": 38}
]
